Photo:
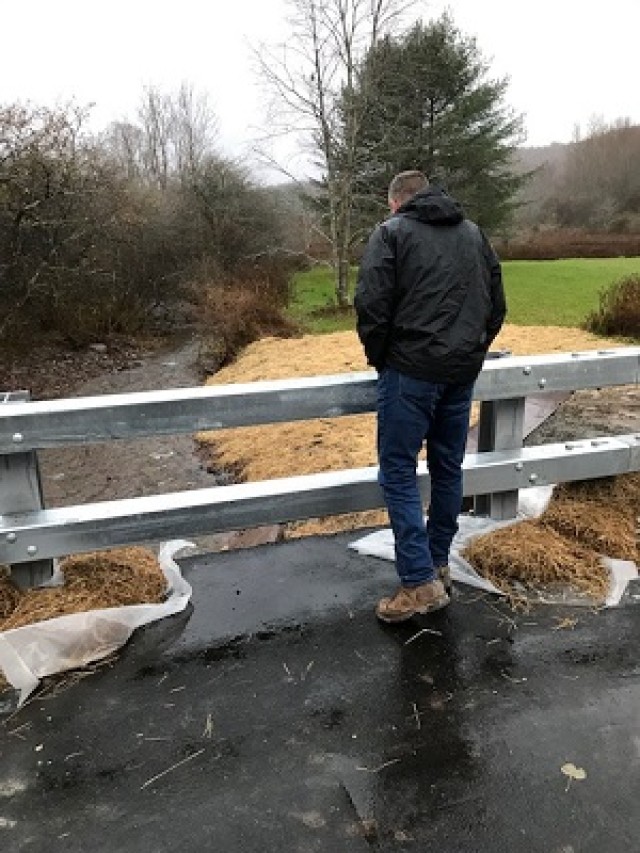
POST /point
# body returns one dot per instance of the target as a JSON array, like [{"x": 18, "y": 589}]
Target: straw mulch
[
  {"x": 529, "y": 557},
  {"x": 602, "y": 514},
  {"x": 621, "y": 493},
  {"x": 92, "y": 581},
  {"x": 559, "y": 552},
  {"x": 9, "y": 594},
  {"x": 607, "y": 532}
]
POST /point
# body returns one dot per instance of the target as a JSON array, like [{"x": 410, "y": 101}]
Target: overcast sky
[{"x": 568, "y": 60}]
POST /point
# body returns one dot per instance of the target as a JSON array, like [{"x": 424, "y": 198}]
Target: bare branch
[{"x": 315, "y": 81}]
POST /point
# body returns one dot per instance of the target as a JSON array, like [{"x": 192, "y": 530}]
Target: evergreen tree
[{"x": 432, "y": 107}]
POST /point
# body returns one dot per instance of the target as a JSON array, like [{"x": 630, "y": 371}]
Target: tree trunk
[{"x": 341, "y": 266}]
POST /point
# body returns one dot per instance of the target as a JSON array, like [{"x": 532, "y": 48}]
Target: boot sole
[{"x": 420, "y": 611}]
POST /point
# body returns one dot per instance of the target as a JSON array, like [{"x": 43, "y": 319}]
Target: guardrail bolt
[
  {"x": 533, "y": 478},
  {"x": 526, "y": 371},
  {"x": 519, "y": 466},
  {"x": 32, "y": 549},
  {"x": 11, "y": 537},
  {"x": 542, "y": 383},
  {"x": 17, "y": 438}
]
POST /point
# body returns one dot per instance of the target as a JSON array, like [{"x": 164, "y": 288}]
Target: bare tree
[
  {"x": 175, "y": 134},
  {"x": 156, "y": 120},
  {"x": 313, "y": 79},
  {"x": 123, "y": 140},
  {"x": 38, "y": 191},
  {"x": 61, "y": 202},
  {"x": 195, "y": 128}
]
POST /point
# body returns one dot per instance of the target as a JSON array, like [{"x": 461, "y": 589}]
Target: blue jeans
[{"x": 411, "y": 411}]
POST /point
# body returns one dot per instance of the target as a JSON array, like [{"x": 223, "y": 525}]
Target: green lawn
[
  {"x": 313, "y": 303},
  {"x": 539, "y": 293},
  {"x": 560, "y": 293}
]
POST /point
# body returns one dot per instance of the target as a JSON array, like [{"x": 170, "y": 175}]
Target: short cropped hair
[{"x": 406, "y": 184}]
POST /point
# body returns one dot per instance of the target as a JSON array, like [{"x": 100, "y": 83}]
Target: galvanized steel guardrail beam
[
  {"x": 56, "y": 532},
  {"x": 56, "y": 423}
]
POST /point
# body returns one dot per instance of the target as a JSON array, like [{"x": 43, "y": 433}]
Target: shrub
[
  {"x": 555, "y": 243},
  {"x": 619, "y": 310},
  {"x": 237, "y": 310}
]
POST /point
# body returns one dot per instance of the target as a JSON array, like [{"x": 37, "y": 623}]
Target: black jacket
[{"x": 429, "y": 299}]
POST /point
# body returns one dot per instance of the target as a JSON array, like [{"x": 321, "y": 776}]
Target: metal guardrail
[
  {"x": 55, "y": 423},
  {"x": 31, "y": 533}
]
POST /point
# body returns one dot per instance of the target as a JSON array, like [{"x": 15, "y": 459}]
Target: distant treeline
[{"x": 592, "y": 183}]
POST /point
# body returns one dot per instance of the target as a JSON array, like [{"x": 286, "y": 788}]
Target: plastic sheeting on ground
[
  {"x": 531, "y": 504},
  {"x": 32, "y": 652}
]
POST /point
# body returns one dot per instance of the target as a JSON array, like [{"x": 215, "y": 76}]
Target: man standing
[{"x": 429, "y": 302}]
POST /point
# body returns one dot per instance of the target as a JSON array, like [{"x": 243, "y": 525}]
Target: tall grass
[{"x": 539, "y": 293}]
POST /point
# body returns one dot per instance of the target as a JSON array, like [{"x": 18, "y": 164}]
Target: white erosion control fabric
[
  {"x": 31, "y": 652},
  {"x": 531, "y": 503}
]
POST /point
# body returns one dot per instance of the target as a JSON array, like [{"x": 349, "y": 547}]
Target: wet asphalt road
[{"x": 277, "y": 715}]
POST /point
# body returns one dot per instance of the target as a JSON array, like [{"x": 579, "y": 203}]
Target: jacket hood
[{"x": 433, "y": 206}]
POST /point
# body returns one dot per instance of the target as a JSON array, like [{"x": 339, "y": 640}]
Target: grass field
[{"x": 539, "y": 293}]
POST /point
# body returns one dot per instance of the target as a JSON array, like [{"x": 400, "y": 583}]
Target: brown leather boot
[{"x": 411, "y": 601}]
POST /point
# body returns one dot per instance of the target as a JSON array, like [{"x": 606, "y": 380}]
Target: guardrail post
[
  {"x": 500, "y": 427},
  {"x": 21, "y": 491}
]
